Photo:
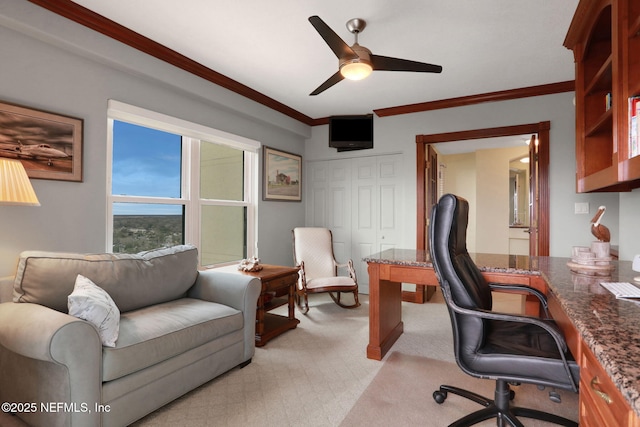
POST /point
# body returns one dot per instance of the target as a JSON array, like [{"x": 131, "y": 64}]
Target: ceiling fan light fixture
[
  {"x": 357, "y": 62},
  {"x": 356, "y": 70}
]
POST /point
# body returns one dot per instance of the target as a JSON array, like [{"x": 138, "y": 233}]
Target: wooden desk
[
  {"x": 602, "y": 332},
  {"x": 278, "y": 287},
  {"x": 390, "y": 268}
]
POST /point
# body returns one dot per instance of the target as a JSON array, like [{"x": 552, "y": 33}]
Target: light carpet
[
  {"x": 310, "y": 376},
  {"x": 318, "y": 374},
  {"x": 401, "y": 394}
]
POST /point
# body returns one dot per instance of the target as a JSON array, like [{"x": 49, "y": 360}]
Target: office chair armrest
[
  {"x": 551, "y": 328},
  {"x": 524, "y": 288}
]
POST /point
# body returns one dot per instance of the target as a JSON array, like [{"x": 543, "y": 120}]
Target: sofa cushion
[
  {"x": 90, "y": 302},
  {"x": 133, "y": 281},
  {"x": 154, "y": 334}
]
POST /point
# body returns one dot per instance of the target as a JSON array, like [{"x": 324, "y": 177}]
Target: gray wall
[
  {"x": 53, "y": 64},
  {"x": 73, "y": 71},
  {"x": 397, "y": 134},
  {"x": 630, "y": 224}
]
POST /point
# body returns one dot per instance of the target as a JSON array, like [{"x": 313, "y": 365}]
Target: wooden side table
[{"x": 278, "y": 287}]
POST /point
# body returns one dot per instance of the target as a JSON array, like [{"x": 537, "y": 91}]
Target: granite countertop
[
  {"x": 493, "y": 263},
  {"x": 610, "y": 327}
]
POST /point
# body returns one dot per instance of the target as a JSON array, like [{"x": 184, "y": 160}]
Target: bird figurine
[{"x": 598, "y": 230}]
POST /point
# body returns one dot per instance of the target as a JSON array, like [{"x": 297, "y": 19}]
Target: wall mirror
[{"x": 519, "y": 192}]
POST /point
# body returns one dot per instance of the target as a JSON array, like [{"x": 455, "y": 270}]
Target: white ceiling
[{"x": 270, "y": 46}]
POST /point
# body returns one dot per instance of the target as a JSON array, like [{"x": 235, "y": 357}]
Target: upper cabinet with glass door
[{"x": 605, "y": 38}]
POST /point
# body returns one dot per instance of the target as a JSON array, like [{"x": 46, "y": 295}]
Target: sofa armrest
[
  {"x": 6, "y": 289},
  {"x": 49, "y": 356},
  {"x": 234, "y": 290}
]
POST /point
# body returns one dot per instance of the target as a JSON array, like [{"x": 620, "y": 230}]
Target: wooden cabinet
[
  {"x": 605, "y": 38},
  {"x": 601, "y": 403}
]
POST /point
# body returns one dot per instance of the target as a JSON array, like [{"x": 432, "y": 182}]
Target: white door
[
  {"x": 339, "y": 208},
  {"x": 365, "y": 217},
  {"x": 377, "y": 205},
  {"x": 329, "y": 202},
  {"x": 360, "y": 200}
]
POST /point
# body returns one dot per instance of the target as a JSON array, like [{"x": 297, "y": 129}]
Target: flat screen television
[{"x": 353, "y": 132}]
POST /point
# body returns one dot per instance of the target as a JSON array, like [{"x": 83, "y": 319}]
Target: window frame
[{"x": 192, "y": 136}]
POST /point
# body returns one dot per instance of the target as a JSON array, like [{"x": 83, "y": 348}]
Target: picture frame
[
  {"x": 281, "y": 175},
  {"x": 49, "y": 145}
]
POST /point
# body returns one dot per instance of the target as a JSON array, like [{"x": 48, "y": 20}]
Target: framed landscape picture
[
  {"x": 282, "y": 175},
  {"x": 48, "y": 145}
]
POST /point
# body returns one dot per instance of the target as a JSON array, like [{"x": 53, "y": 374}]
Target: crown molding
[
  {"x": 503, "y": 95},
  {"x": 109, "y": 28}
]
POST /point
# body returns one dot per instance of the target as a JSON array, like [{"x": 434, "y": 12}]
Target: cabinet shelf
[
  {"x": 601, "y": 81},
  {"x": 631, "y": 168},
  {"x": 603, "y": 124},
  {"x": 605, "y": 181},
  {"x": 605, "y": 38},
  {"x": 275, "y": 303}
]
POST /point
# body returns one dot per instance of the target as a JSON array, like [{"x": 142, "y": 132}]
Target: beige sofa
[{"x": 178, "y": 328}]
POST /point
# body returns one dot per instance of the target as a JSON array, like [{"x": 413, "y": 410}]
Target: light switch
[{"x": 581, "y": 208}]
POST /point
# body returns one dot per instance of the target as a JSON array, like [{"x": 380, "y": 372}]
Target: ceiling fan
[{"x": 357, "y": 62}]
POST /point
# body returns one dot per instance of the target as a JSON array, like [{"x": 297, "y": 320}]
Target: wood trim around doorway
[{"x": 541, "y": 128}]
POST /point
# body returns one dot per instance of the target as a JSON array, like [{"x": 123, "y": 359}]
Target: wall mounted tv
[{"x": 348, "y": 133}]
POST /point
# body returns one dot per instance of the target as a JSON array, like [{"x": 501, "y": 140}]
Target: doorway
[{"x": 539, "y": 153}]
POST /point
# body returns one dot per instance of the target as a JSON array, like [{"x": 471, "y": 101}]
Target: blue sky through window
[{"x": 146, "y": 162}]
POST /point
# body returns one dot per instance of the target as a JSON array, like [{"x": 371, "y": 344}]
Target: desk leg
[
  {"x": 385, "y": 313},
  {"x": 292, "y": 304}
]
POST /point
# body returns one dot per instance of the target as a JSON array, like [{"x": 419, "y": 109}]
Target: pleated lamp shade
[{"x": 15, "y": 187}]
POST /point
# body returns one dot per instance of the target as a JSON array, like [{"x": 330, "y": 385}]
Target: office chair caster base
[
  {"x": 499, "y": 408},
  {"x": 439, "y": 396}
]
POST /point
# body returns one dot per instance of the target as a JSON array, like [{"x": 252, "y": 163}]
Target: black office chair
[{"x": 504, "y": 347}]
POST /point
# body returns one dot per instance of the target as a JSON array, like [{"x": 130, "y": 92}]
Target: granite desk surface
[{"x": 610, "y": 327}]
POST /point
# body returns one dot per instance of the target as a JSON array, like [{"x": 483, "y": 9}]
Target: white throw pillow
[{"x": 90, "y": 302}]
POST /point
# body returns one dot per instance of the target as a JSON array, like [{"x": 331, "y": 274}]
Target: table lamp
[
  {"x": 15, "y": 187},
  {"x": 636, "y": 267}
]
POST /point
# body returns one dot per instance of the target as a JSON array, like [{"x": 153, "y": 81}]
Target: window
[{"x": 173, "y": 182}]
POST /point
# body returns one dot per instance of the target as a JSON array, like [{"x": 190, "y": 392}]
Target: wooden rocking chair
[{"x": 313, "y": 253}]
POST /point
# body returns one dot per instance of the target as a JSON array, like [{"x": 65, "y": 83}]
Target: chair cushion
[
  {"x": 132, "y": 281},
  {"x": 523, "y": 351},
  {"x": 314, "y": 246},
  {"x": 154, "y": 334},
  {"x": 330, "y": 282}
]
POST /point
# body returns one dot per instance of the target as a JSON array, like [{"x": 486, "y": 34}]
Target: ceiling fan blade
[
  {"x": 337, "y": 77},
  {"x": 337, "y": 45},
  {"x": 385, "y": 63}
]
